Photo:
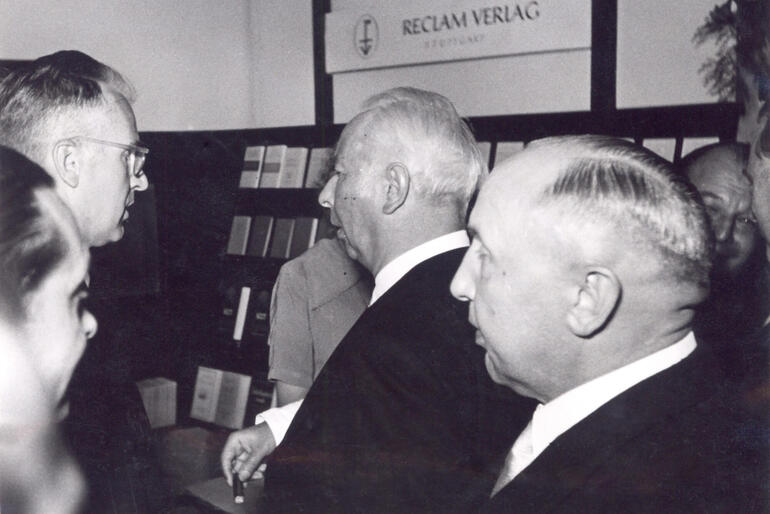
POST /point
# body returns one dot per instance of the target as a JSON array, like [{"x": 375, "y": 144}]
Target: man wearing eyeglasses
[{"x": 72, "y": 115}]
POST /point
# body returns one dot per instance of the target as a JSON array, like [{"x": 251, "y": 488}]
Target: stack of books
[
  {"x": 281, "y": 166},
  {"x": 266, "y": 236}
]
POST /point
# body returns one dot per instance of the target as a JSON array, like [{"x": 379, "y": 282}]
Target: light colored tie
[{"x": 517, "y": 459}]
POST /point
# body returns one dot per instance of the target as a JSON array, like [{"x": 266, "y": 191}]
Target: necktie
[{"x": 517, "y": 459}]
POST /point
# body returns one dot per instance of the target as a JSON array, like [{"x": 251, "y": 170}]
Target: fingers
[
  {"x": 259, "y": 473},
  {"x": 247, "y": 467},
  {"x": 231, "y": 452},
  {"x": 244, "y": 451}
]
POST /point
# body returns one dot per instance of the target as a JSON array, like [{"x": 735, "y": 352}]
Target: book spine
[
  {"x": 252, "y": 167},
  {"x": 240, "y": 317},
  {"x": 271, "y": 169},
  {"x": 239, "y": 235},
  {"x": 292, "y": 172}
]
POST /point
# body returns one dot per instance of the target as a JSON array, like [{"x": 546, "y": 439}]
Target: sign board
[{"x": 425, "y": 31}]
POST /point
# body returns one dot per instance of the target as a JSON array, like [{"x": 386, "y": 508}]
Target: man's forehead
[
  {"x": 113, "y": 119},
  {"x": 510, "y": 190},
  {"x": 719, "y": 170}
]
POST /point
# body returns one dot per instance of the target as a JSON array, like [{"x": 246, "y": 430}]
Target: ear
[
  {"x": 66, "y": 160},
  {"x": 597, "y": 298},
  {"x": 397, "y": 176}
]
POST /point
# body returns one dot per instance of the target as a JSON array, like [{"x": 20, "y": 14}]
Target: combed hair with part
[
  {"x": 423, "y": 131},
  {"x": 612, "y": 181},
  {"x": 49, "y": 88}
]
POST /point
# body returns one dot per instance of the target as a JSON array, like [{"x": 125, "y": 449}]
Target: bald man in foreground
[{"x": 587, "y": 260}]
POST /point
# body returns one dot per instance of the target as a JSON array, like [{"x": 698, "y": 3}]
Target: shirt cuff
[{"x": 278, "y": 419}]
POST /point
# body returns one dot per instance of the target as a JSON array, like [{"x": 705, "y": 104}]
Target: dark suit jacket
[
  {"x": 675, "y": 442},
  {"x": 403, "y": 417}
]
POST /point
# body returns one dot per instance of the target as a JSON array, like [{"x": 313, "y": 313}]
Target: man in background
[
  {"x": 738, "y": 303},
  {"x": 72, "y": 115},
  {"x": 717, "y": 172},
  {"x": 403, "y": 416},
  {"x": 588, "y": 259}
]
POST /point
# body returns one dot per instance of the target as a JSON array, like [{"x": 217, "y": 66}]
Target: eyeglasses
[{"x": 137, "y": 154}]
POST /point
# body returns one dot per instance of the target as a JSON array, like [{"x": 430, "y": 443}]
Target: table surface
[
  {"x": 189, "y": 458},
  {"x": 216, "y": 494}
]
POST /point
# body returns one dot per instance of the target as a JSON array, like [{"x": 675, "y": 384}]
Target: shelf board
[
  {"x": 252, "y": 270},
  {"x": 279, "y": 202}
]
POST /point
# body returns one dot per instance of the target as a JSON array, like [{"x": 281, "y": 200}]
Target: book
[
  {"x": 304, "y": 235},
  {"x": 318, "y": 167},
  {"x": 231, "y": 404},
  {"x": 220, "y": 397},
  {"x": 206, "y": 394},
  {"x": 271, "y": 168},
  {"x": 506, "y": 149},
  {"x": 663, "y": 146},
  {"x": 159, "y": 399},
  {"x": 240, "y": 316},
  {"x": 292, "y": 173},
  {"x": 282, "y": 235},
  {"x": 259, "y": 240},
  {"x": 486, "y": 150},
  {"x": 239, "y": 235},
  {"x": 228, "y": 291},
  {"x": 258, "y": 316},
  {"x": 252, "y": 167}
]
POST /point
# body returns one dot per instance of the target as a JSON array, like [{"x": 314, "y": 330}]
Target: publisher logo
[{"x": 366, "y": 36}]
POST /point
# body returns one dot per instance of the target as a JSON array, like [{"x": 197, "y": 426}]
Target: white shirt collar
[
  {"x": 562, "y": 413},
  {"x": 400, "y": 266}
]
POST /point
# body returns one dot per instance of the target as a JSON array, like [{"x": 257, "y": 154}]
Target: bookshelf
[{"x": 197, "y": 176}]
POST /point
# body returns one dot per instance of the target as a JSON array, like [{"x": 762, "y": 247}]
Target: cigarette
[{"x": 237, "y": 489}]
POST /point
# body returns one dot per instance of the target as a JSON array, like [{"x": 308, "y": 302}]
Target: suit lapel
[{"x": 573, "y": 458}]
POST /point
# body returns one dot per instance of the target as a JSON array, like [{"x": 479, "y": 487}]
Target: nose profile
[
  {"x": 140, "y": 183},
  {"x": 326, "y": 196},
  {"x": 461, "y": 286},
  {"x": 90, "y": 325},
  {"x": 722, "y": 228}
]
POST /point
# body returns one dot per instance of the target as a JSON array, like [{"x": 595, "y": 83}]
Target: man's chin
[
  {"x": 118, "y": 233},
  {"x": 352, "y": 252},
  {"x": 113, "y": 236},
  {"x": 492, "y": 371}
]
